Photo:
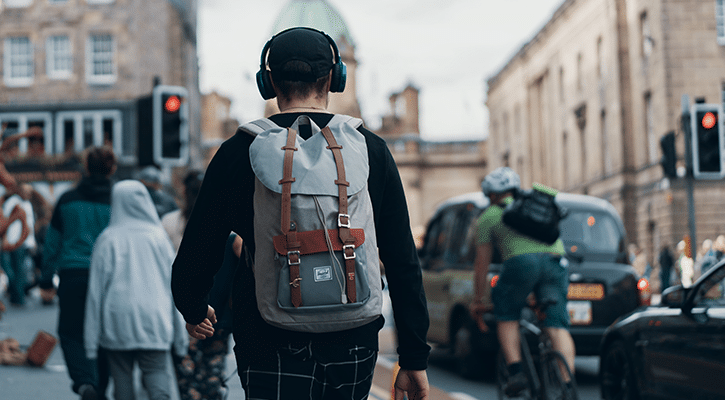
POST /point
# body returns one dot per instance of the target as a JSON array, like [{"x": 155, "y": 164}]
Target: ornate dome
[{"x": 316, "y": 14}]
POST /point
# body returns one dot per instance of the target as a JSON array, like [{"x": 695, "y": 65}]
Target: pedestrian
[
  {"x": 164, "y": 203},
  {"x": 174, "y": 222},
  {"x": 276, "y": 362},
  {"x": 529, "y": 265},
  {"x": 666, "y": 263},
  {"x": 200, "y": 374},
  {"x": 130, "y": 312},
  {"x": 15, "y": 261},
  {"x": 78, "y": 218}
]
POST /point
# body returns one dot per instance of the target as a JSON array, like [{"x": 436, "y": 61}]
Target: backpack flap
[{"x": 314, "y": 167}]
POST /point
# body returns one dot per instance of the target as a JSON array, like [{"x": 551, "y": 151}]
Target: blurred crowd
[
  {"x": 674, "y": 266},
  {"x": 104, "y": 252}
]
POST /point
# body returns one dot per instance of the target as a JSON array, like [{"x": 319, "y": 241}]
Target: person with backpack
[
  {"x": 319, "y": 204},
  {"x": 529, "y": 265}
]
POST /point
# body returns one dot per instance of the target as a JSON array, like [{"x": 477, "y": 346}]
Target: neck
[{"x": 310, "y": 104}]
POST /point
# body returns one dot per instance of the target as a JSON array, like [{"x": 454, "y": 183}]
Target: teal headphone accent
[{"x": 339, "y": 69}]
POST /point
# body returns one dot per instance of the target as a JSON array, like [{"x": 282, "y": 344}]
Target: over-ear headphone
[{"x": 339, "y": 69}]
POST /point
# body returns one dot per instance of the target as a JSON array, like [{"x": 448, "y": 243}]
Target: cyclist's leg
[
  {"x": 516, "y": 281},
  {"x": 554, "y": 285},
  {"x": 562, "y": 342}
]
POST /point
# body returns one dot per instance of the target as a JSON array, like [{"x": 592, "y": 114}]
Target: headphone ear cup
[
  {"x": 264, "y": 84},
  {"x": 339, "y": 77}
]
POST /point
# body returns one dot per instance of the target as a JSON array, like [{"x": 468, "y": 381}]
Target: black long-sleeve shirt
[{"x": 225, "y": 204}]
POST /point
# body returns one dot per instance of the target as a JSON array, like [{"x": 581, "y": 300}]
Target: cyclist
[{"x": 528, "y": 266}]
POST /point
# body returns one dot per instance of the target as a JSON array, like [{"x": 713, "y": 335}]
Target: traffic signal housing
[
  {"x": 170, "y": 125},
  {"x": 669, "y": 155},
  {"x": 707, "y": 141}
]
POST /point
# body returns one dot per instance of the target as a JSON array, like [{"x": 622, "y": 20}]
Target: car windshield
[{"x": 589, "y": 232}]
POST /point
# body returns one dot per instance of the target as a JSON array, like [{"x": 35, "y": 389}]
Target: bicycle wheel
[
  {"x": 502, "y": 377},
  {"x": 554, "y": 373}
]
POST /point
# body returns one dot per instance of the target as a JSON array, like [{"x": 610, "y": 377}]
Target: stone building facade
[
  {"x": 583, "y": 105},
  {"x": 75, "y": 68}
]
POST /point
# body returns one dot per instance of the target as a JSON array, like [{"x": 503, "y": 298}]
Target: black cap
[{"x": 300, "y": 44}]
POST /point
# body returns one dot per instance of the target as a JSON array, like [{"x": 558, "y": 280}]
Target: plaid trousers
[{"x": 313, "y": 372}]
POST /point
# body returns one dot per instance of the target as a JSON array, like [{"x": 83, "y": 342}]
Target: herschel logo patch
[{"x": 323, "y": 274}]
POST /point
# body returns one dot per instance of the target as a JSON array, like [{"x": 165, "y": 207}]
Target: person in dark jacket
[
  {"x": 666, "y": 263},
  {"x": 78, "y": 218},
  {"x": 323, "y": 365}
]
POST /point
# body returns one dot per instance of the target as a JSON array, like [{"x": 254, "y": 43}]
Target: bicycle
[{"x": 545, "y": 367}]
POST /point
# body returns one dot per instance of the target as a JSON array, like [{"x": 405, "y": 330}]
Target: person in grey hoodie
[{"x": 129, "y": 310}]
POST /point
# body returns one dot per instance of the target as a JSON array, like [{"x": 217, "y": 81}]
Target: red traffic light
[
  {"x": 172, "y": 104},
  {"x": 709, "y": 120}
]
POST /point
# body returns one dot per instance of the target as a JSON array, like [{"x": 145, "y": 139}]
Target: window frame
[
  {"x": 97, "y": 116},
  {"x": 28, "y": 59},
  {"x": 52, "y": 56},
  {"x": 92, "y": 57},
  {"x": 23, "y": 119}
]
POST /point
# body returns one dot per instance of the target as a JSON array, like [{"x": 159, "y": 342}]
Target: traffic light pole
[{"x": 689, "y": 175}]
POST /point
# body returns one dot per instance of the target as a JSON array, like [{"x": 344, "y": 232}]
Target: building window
[
  {"x": 646, "y": 40},
  {"x": 562, "y": 95},
  {"x": 720, "y": 18},
  {"x": 649, "y": 129},
  {"x": 100, "y": 1},
  {"x": 100, "y": 66},
  {"x": 77, "y": 130},
  {"x": 600, "y": 58},
  {"x": 18, "y": 61},
  {"x": 606, "y": 155},
  {"x": 579, "y": 77},
  {"x": 57, "y": 1},
  {"x": 59, "y": 57},
  {"x": 15, "y": 123}
]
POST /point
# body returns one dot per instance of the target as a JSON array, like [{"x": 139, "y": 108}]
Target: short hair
[
  {"x": 298, "y": 89},
  {"x": 100, "y": 161}
]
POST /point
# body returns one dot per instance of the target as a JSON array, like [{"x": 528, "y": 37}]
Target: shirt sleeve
[
  {"x": 402, "y": 269},
  {"x": 202, "y": 247}
]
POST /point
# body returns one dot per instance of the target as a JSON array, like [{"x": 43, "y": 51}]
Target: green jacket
[{"x": 79, "y": 217}]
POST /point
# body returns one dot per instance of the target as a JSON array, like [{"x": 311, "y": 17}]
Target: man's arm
[
  {"x": 402, "y": 268},
  {"x": 482, "y": 291},
  {"x": 202, "y": 246}
]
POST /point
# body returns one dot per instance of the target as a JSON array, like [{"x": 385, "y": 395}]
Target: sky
[{"x": 445, "y": 48}]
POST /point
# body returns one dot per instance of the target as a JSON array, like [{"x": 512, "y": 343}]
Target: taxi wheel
[
  {"x": 617, "y": 374},
  {"x": 468, "y": 361}
]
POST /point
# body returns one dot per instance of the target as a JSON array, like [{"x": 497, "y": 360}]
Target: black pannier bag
[{"x": 534, "y": 213}]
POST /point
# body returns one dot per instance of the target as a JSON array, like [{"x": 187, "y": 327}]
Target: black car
[
  {"x": 602, "y": 285},
  {"x": 675, "y": 350}
]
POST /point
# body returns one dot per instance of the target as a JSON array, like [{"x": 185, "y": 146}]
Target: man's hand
[
  {"x": 412, "y": 383},
  {"x": 206, "y": 328},
  {"x": 477, "y": 309},
  {"x": 47, "y": 295}
]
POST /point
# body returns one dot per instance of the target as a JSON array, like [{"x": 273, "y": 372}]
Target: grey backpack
[{"x": 316, "y": 265}]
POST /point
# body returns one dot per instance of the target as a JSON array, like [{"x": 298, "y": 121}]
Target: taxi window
[{"x": 593, "y": 232}]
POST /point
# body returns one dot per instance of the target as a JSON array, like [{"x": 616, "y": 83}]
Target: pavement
[{"x": 51, "y": 381}]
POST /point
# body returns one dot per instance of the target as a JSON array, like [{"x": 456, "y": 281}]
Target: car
[
  {"x": 603, "y": 286},
  {"x": 675, "y": 350}
]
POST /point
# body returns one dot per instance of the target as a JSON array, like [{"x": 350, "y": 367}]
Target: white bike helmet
[{"x": 501, "y": 180}]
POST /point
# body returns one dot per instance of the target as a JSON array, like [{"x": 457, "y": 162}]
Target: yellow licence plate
[{"x": 585, "y": 291}]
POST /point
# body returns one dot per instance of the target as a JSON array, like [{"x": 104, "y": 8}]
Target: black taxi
[{"x": 603, "y": 286}]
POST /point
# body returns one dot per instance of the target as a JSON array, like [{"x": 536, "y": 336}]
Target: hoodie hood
[{"x": 132, "y": 204}]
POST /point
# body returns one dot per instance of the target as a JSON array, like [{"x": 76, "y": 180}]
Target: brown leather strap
[
  {"x": 289, "y": 230},
  {"x": 343, "y": 219}
]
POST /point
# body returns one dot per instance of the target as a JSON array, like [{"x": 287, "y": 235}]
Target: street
[{"x": 52, "y": 381}]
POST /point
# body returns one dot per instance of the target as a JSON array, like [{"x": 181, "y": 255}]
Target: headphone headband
[{"x": 339, "y": 70}]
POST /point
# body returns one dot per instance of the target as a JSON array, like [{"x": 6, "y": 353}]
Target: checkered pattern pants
[{"x": 313, "y": 372}]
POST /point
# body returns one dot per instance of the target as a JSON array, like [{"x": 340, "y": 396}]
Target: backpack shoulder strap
[
  {"x": 340, "y": 119},
  {"x": 256, "y": 127}
]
